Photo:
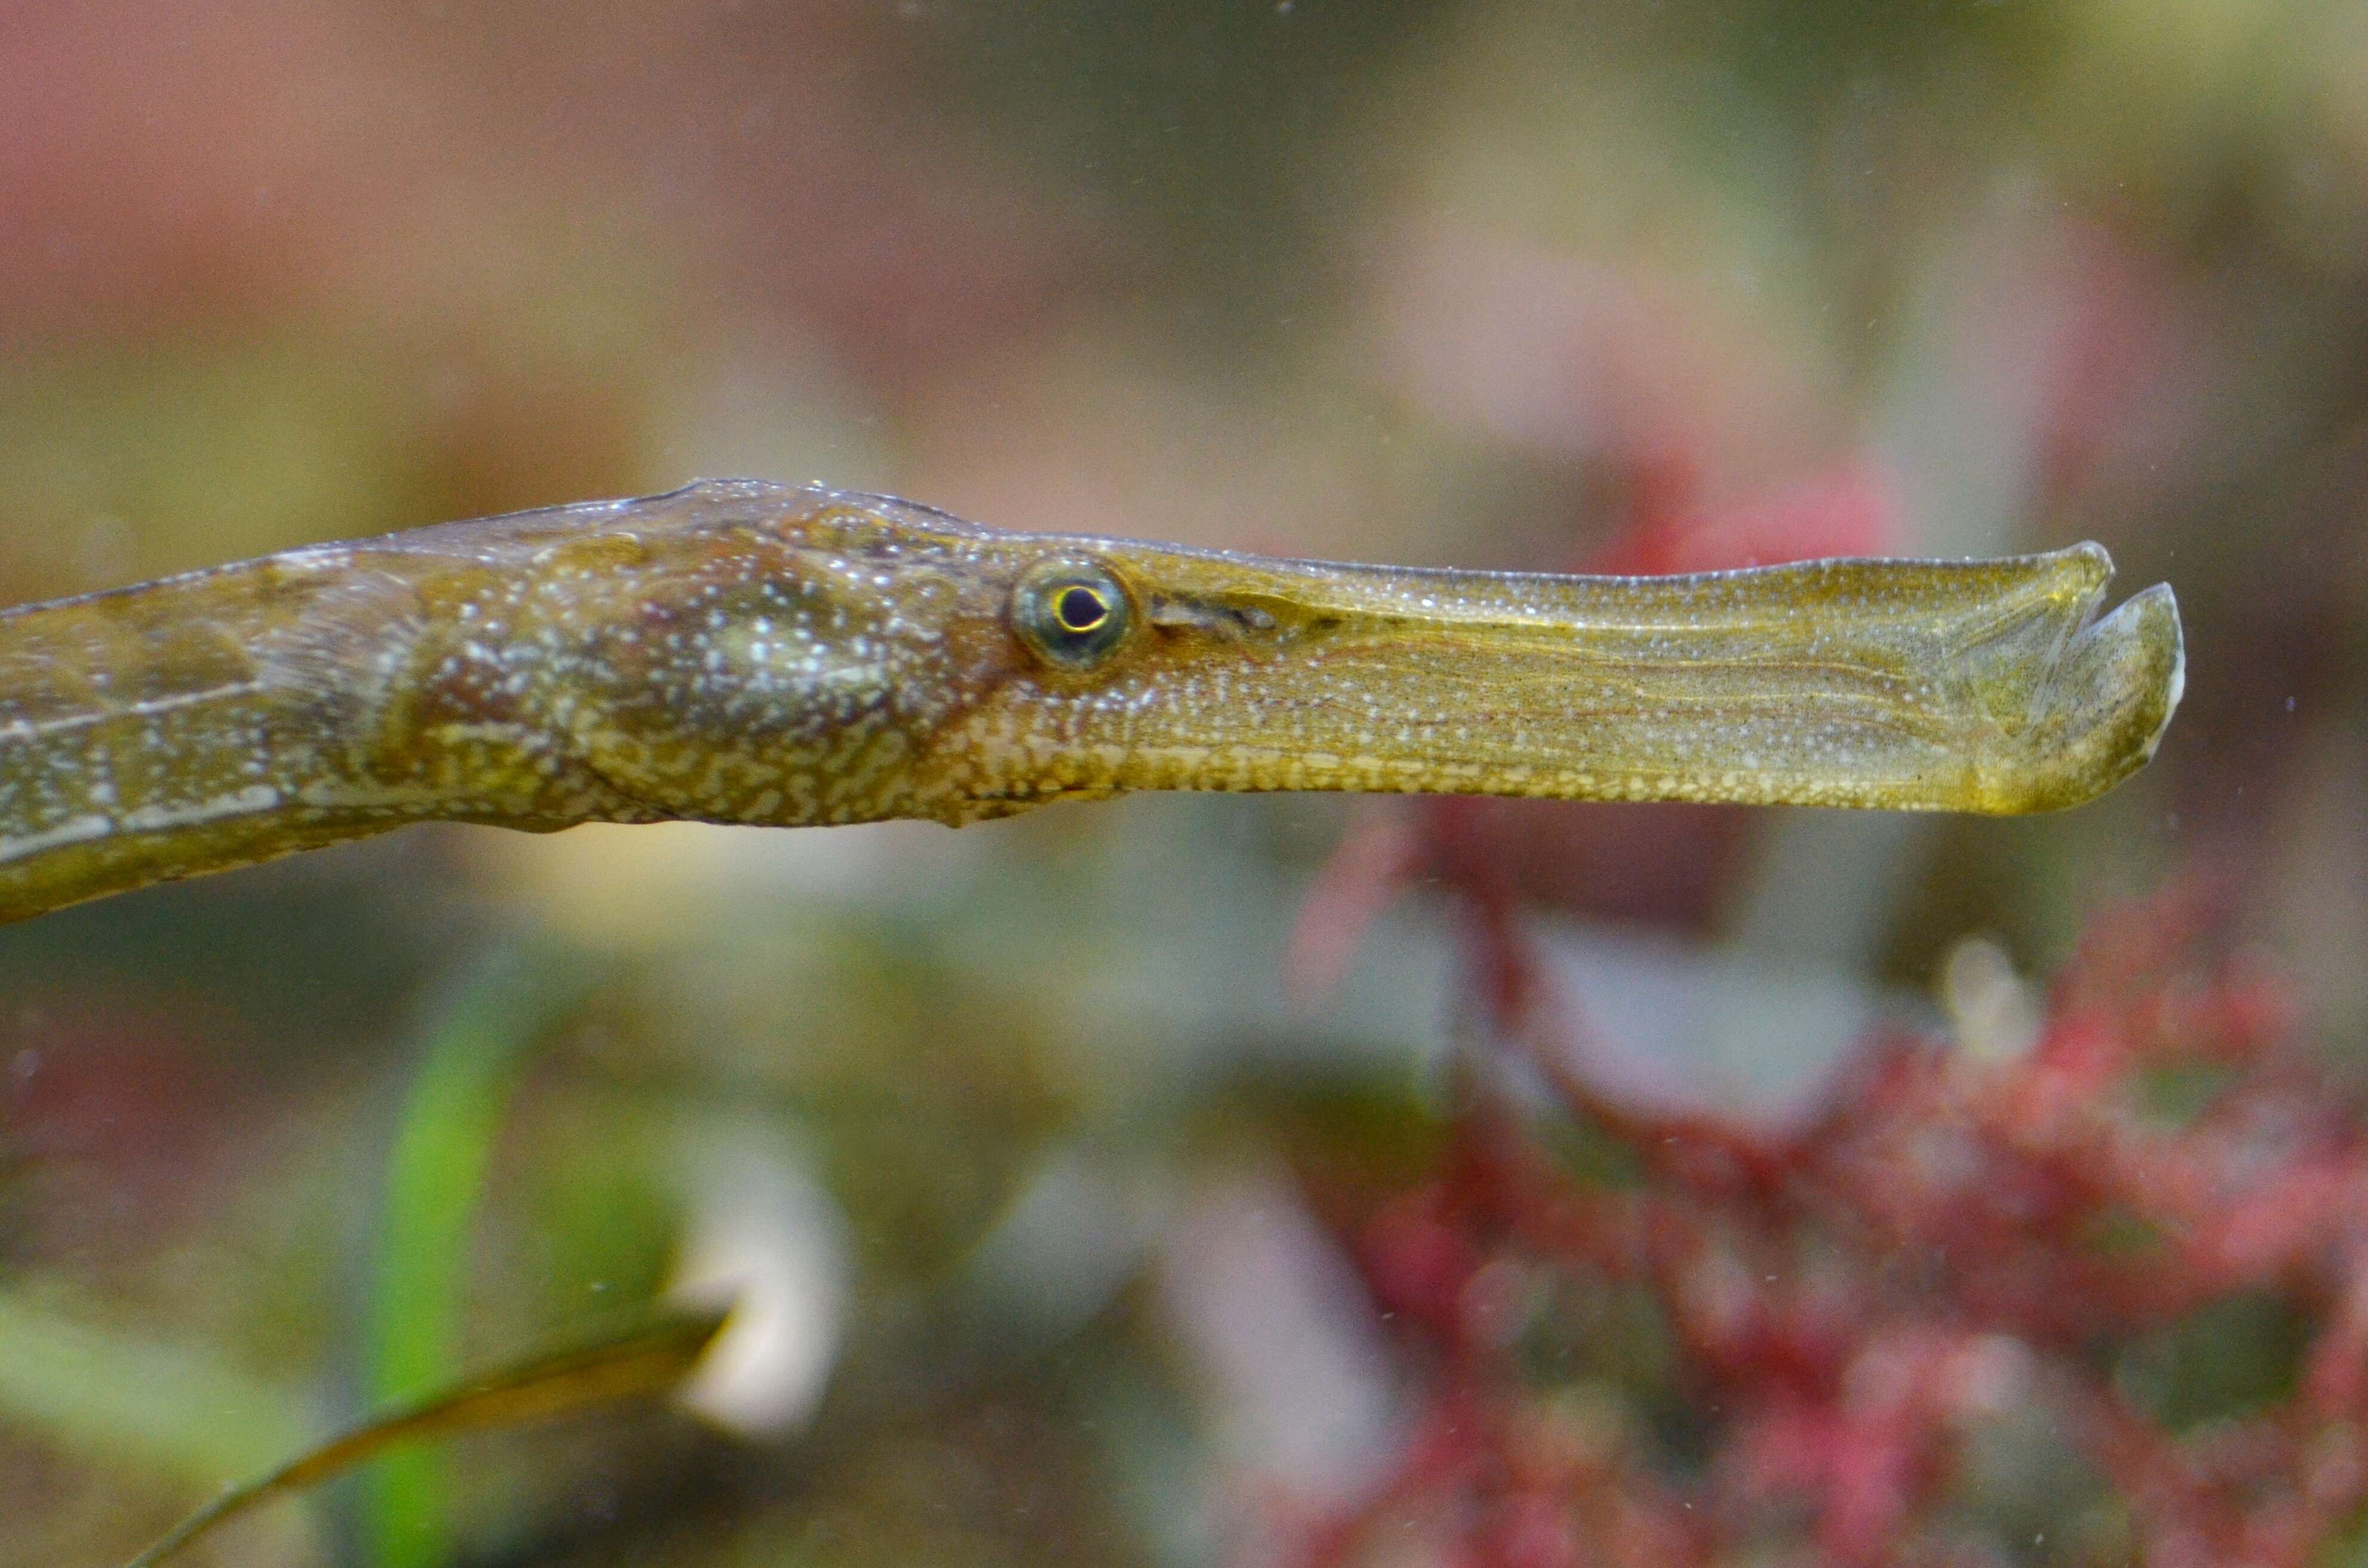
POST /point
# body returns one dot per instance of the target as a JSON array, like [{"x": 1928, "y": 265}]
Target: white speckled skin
[{"x": 750, "y": 653}]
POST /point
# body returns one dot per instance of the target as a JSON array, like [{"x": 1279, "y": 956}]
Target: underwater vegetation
[
  {"x": 2087, "y": 1283},
  {"x": 2095, "y": 1290}
]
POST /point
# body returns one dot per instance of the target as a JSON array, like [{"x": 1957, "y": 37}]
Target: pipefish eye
[{"x": 1070, "y": 613}]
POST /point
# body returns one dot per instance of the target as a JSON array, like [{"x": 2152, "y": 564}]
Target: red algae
[{"x": 1843, "y": 1307}]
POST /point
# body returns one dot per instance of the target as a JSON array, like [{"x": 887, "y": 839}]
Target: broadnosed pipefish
[{"x": 740, "y": 652}]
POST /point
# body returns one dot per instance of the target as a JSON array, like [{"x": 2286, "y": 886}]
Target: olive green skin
[{"x": 742, "y": 652}]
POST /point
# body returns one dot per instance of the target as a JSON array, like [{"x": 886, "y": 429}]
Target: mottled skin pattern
[{"x": 748, "y": 653}]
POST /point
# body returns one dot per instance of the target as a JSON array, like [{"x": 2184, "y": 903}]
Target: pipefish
[{"x": 742, "y": 652}]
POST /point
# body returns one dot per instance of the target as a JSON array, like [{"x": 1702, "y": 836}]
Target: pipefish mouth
[{"x": 741, "y": 651}]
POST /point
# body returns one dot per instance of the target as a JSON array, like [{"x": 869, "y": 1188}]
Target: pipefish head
[
  {"x": 819, "y": 656},
  {"x": 1986, "y": 686},
  {"x": 745, "y": 652}
]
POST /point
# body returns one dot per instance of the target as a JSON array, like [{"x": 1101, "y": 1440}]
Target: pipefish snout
[{"x": 741, "y": 651}]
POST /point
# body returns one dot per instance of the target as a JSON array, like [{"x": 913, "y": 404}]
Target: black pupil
[{"x": 1079, "y": 609}]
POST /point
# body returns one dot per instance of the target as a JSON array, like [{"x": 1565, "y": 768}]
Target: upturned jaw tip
[{"x": 2105, "y": 709}]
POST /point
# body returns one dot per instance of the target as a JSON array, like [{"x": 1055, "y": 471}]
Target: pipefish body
[{"x": 741, "y": 651}]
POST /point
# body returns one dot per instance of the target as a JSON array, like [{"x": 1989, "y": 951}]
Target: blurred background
[{"x": 1080, "y": 1163}]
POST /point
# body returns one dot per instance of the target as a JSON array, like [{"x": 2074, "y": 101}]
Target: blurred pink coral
[{"x": 1955, "y": 1238}]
